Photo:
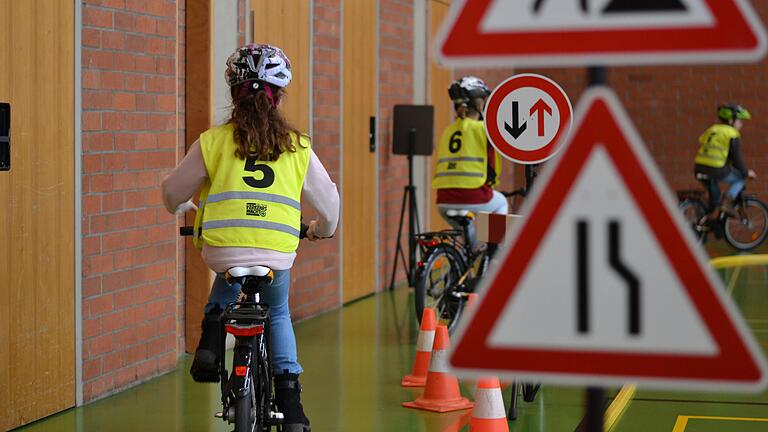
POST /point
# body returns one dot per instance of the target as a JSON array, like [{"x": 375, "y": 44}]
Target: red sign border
[
  {"x": 457, "y": 45},
  {"x": 548, "y": 86},
  {"x": 738, "y": 365}
]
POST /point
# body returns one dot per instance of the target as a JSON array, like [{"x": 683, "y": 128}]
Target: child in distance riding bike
[
  {"x": 467, "y": 165},
  {"x": 719, "y": 159},
  {"x": 251, "y": 172}
]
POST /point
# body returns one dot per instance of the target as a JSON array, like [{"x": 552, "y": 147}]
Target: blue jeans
[
  {"x": 282, "y": 341},
  {"x": 734, "y": 185},
  {"x": 735, "y": 182}
]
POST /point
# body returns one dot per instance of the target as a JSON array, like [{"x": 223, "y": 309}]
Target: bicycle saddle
[
  {"x": 460, "y": 213},
  {"x": 258, "y": 271}
]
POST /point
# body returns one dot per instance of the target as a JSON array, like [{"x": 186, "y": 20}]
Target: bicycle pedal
[{"x": 276, "y": 418}]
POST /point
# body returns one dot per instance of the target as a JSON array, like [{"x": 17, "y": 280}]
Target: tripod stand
[{"x": 409, "y": 202}]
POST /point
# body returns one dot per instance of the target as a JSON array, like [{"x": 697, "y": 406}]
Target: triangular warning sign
[
  {"x": 599, "y": 32},
  {"x": 602, "y": 282}
]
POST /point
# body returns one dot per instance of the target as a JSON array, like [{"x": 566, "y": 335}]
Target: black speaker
[{"x": 413, "y": 128}]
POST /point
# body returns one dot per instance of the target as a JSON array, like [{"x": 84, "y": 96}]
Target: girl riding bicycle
[
  {"x": 251, "y": 172},
  {"x": 719, "y": 159},
  {"x": 467, "y": 165}
]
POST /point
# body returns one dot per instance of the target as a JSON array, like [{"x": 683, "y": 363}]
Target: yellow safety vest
[
  {"x": 462, "y": 156},
  {"x": 715, "y": 145},
  {"x": 250, "y": 203}
]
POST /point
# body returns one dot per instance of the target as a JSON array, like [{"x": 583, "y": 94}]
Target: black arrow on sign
[
  {"x": 584, "y": 4},
  {"x": 644, "y": 6},
  {"x": 517, "y": 129}
]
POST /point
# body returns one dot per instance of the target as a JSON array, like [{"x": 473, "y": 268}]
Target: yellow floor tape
[
  {"x": 617, "y": 407},
  {"x": 738, "y": 261}
]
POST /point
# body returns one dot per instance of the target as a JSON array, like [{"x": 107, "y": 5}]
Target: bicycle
[
  {"x": 744, "y": 230},
  {"x": 247, "y": 395},
  {"x": 450, "y": 267}
]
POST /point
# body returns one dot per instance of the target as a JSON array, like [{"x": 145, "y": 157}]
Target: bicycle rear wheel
[
  {"x": 751, "y": 227},
  {"x": 244, "y": 411},
  {"x": 436, "y": 284}
]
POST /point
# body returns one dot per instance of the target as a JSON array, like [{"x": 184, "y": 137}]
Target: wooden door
[
  {"x": 439, "y": 80},
  {"x": 359, "y": 168},
  {"x": 37, "y": 267},
  {"x": 286, "y": 24}
]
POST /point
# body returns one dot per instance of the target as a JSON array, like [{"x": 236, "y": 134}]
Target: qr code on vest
[{"x": 254, "y": 209}]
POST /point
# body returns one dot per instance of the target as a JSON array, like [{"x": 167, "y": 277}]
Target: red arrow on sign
[{"x": 541, "y": 107}]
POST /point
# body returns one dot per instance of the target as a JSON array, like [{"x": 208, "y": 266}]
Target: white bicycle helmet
[
  {"x": 259, "y": 62},
  {"x": 467, "y": 88}
]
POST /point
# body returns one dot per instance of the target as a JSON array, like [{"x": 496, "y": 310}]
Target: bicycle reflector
[
  {"x": 429, "y": 243},
  {"x": 241, "y": 371},
  {"x": 252, "y": 330}
]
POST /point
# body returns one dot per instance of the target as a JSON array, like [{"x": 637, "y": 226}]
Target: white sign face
[
  {"x": 667, "y": 321},
  {"x": 529, "y": 117},
  {"x": 526, "y": 118},
  {"x": 505, "y": 15}
]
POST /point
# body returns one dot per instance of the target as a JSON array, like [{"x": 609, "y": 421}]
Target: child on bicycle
[
  {"x": 467, "y": 164},
  {"x": 719, "y": 159},
  {"x": 251, "y": 172}
]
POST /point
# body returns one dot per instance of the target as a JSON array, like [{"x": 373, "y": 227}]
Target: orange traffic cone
[
  {"x": 418, "y": 376},
  {"x": 441, "y": 391},
  {"x": 488, "y": 415}
]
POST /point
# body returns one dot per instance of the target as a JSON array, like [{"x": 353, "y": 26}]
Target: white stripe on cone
[
  {"x": 425, "y": 340},
  {"x": 439, "y": 362},
  {"x": 488, "y": 404}
]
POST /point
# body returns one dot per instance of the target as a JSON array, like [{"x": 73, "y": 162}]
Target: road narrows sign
[
  {"x": 602, "y": 283},
  {"x": 527, "y": 118},
  {"x": 600, "y": 32}
]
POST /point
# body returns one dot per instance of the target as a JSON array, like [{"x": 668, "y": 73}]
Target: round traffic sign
[{"x": 527, "y": 118}]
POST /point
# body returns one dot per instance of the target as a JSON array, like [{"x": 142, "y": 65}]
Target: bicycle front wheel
[
  {"x": 436, "y": 284},
  {"x": 751, "y": 227}
]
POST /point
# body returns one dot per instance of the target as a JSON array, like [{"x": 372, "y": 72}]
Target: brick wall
[
  {"x": 396, "y": 46},
  {"x": 315, "y": 285},
  {"x": 130, "y": 138}
]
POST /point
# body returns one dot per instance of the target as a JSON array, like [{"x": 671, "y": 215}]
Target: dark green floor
[
  {"x": 354, "y": 359},
  {"x": 659, "y": 411}
]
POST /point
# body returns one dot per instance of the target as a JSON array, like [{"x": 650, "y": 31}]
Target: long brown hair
[{"x": 261, "y": 130}]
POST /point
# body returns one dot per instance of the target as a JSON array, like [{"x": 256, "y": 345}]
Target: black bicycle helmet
[
  {"x": 728, "y": 112},
  {"x": 466, "y": 89}
]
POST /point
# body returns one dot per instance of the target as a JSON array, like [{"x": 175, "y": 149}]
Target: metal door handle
[
  {"x": 372, "y": 135},
  {"x": 5, "y": 136}
]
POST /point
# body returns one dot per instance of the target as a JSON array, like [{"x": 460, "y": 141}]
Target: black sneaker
[
  {"x": 288, "y": 400},
  {"x": 205, "y": 366}
]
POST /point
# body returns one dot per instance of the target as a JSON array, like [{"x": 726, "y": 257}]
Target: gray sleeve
[
  {"x": 735, "y": 158},
  {"x": 320, "y": 191}
]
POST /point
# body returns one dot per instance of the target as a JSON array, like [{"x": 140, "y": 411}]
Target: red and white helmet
[{"x": 259, "y": 62}]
